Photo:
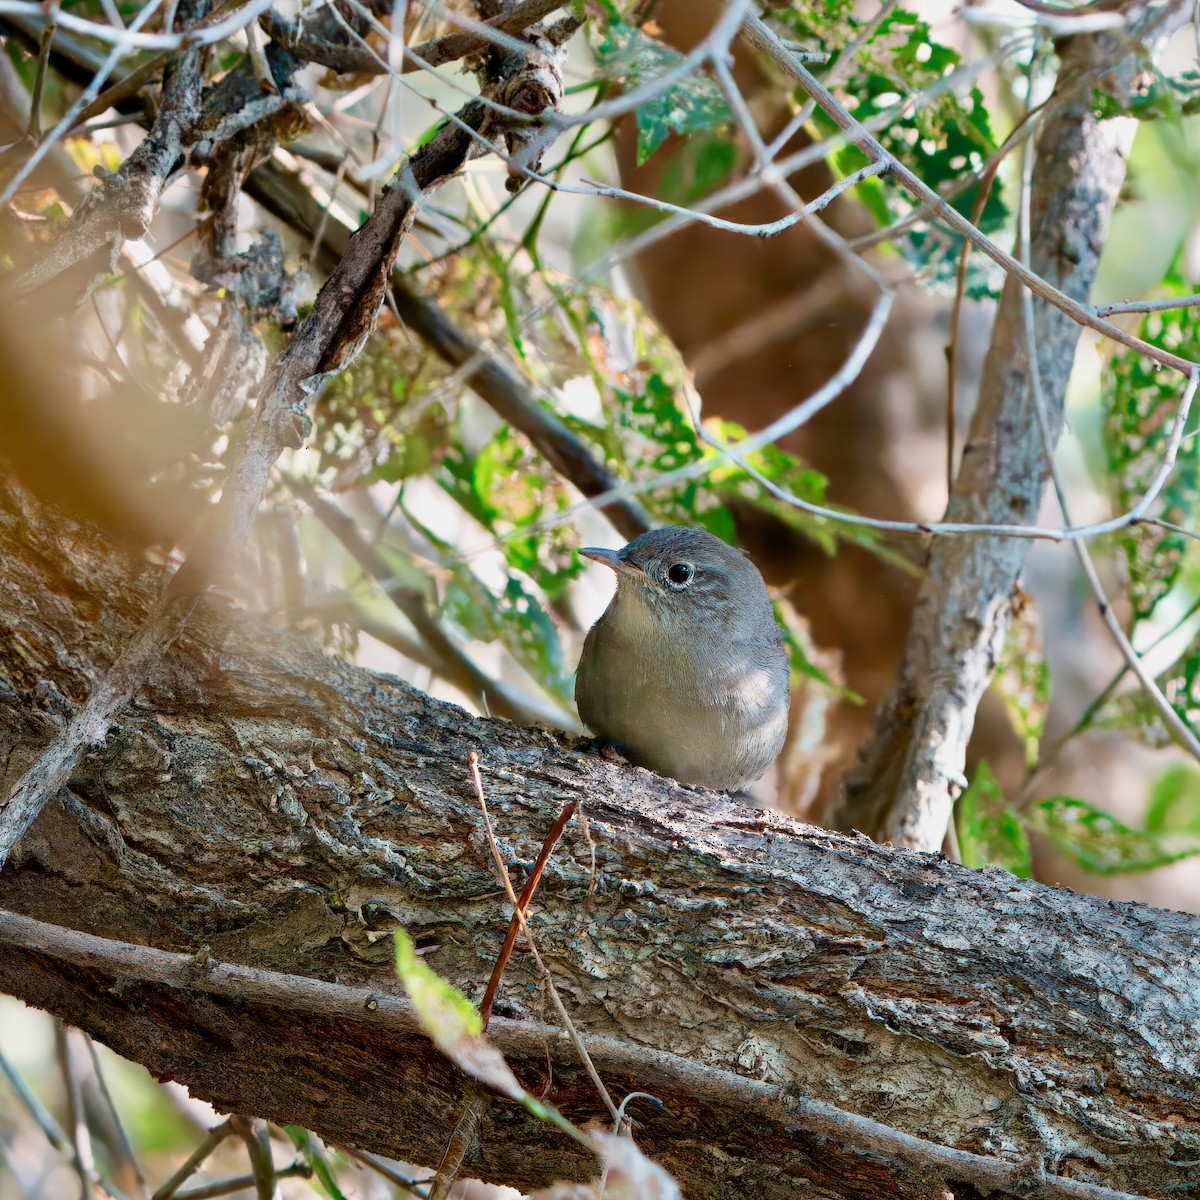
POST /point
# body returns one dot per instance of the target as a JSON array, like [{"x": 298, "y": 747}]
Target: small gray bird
[{"x": 685, "y": 671}]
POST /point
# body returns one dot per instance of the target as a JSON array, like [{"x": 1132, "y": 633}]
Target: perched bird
[{"x": 685, "y": 671}]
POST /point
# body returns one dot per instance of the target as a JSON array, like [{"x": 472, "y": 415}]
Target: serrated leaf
[
  {"x": 1022, "y": 677},
  {"x": 943, "y": 138},
  {"x": 1135, "y": 712},
  {"x": 691, "y": 105},
  {"x": 1100, "y": 843},
  {"x": 1139, "y": 405},
  {"x": 989, "y": 830}
]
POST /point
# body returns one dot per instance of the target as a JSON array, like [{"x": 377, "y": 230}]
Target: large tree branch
[{"x": 272, "y": 808}]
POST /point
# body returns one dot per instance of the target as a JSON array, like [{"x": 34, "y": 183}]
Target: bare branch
[{"x": 437, "y": 52}]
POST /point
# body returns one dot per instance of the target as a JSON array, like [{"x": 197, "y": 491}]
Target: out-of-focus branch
[
  {"x": 328, "y": 339},
  {"x": 127, "y": 200},
  {"x": 455, "y": 664}
]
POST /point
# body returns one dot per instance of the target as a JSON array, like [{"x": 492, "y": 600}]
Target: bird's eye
[{"x": 679, "y": 574}]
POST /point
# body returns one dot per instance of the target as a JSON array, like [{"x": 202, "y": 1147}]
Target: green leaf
[
  {"x": 989, "y": 829},
  {"x": 507, "y": 486},
  {"x": 1166, "y": 96},
  {"x": 1022, "y": 676},
  {"x": 315, "y": 1157},
  {"x": 1139, "y": 405},
  {"x": 516, "y": 618},
  {"x": 455, "y": 1027},
  {"x": 698, "y": 166},
  {"x": 943, "y": 138},
  {"x": 1100, "y": 843},
  {"x": 1174, "y": 805},
  {"x": 452, "y": 1021},
  {"x": 691, "y": 105}
]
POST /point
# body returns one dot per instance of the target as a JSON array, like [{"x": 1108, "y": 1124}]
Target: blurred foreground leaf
[
  {"x": 1100, "y": 843},
  {"x": 454, "y": 1025}
]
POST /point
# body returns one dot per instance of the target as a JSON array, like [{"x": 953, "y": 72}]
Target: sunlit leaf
[
  {"x": 1100, "y": 843},
  {"x": 1139, "y": 404},
  {"x": 989, "y": 830},
  {"x": 944, "y": 134},
  {"x": 452, "y": 1021},
  {"x": 507, "y": 486},
  {"x": 1137, "y": 714},
  {"x": 454, "y": 1025}
]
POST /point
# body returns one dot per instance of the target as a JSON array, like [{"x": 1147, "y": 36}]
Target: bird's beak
[{"x": 612, "y": 560}]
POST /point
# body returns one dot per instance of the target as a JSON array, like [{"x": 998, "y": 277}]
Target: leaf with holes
[
  {"x": 1136, "y": 714},
  {"x": 1140, "y": 403},
  {"x": 899, "y": 75},
  {"x": 692, "y": 104},
  {"x": 989, "y": 830},
  {"x": 1100, "y": 843},
  {"x": 1022, "y": 677}
]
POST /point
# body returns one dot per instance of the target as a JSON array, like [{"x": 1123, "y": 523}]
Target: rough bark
[{"x": 261, "y": 804}]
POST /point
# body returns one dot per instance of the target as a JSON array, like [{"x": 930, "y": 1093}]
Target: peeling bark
[{"x": 264, "y": 805}]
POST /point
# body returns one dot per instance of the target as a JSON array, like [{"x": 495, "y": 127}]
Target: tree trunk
[{"x": 265, "y": 805}]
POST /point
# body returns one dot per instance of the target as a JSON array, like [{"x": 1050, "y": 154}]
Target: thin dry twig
[
  {"x": 1175, "y": 724},
  {"x": 376, "y": 1164},
  {"x": 453, "y": 661},
  {"x": 518, "y": 913},
  {"x": 764, "y": 39},
  {"x": 514, "y": 924},
  {"x": 239, "y": 1183},
  {"x": 80, "y": 1135},
  {"x": 195, "y": 1160}
]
